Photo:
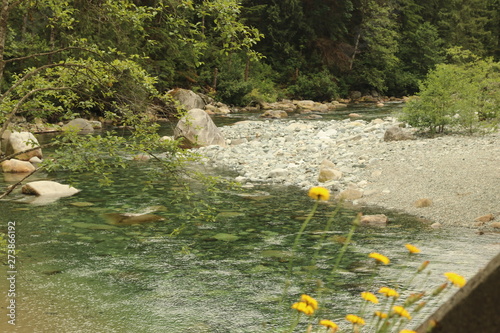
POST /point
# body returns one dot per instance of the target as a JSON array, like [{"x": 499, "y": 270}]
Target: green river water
[{"x": 78, "y": 273}]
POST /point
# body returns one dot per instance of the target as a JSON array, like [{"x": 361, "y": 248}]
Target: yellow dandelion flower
[
  {"x": 379, "y": 257},
  {"x": 355, "y": 319},
  {"x": 380, "y": 314},
  {"x": 412, "y": 249},
  {"x": 407, "y": 331},
  {"x": 303, "y": 307},
  {"x": 319, "y": 193},
  {"x": 329, "y": 324},
  {"x": 309, "y": 301},
  {"x": 456, "y": 279},
  {"x": 401, "y": 311},
  {"x": 388, "y": 292},
  {"x": 368, "y": 296}
]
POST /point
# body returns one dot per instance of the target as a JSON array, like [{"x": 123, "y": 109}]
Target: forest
[{"x": 61, "y": 58}]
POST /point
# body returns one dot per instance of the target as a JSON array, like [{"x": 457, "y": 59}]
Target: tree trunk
[
  {"x": 216, "y": 73},
  {"x": 4, "y": 17},
  {"x": 247, "y": 69},
  {"x": 355, "y": 50}
]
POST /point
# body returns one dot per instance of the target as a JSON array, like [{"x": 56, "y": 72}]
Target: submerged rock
[
  {"x": 129, "y": 218},
  {"x": 378, "y": 220},
  {"x": 49, "y": 188},
  {"x": 226, "y": 237},
  {"x": 82, "y": 126}
]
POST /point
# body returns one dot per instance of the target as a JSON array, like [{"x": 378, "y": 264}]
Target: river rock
[
  {"x": 436, "y": 225},
  {"x": 485, "y": 218},
  {"x": 17, "y": 166},
  {"x": 21, "y": 141},
  {"x": 276, "y": 114},
  {"x": 278, "y": 173},
  {"x": 397, "y": 133},
  {"x": 198, "y": 129},
  {"x": 49, "y": 188},
  {"x": 424, "y": 202},
  {"x": 350, "y": 194},
  {"x": 328, "y": 172},
  {"x": 226, "y": 237},
  {"x": 131, "y": 218},
  {"x": 96, "y": 124},
  {"x": 3, "y": 141},
  {"x": 210, "y": 108},
  {"x": 354, "y": 95},
  {"x": 82, "y": 126},
  {"x": 187, "y": 98},
  {"x": 377, "y": 220}
]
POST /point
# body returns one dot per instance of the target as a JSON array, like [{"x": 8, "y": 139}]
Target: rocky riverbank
[{"x": 457, "y": 176}]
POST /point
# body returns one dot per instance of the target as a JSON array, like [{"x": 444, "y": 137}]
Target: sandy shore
[{"x": 459, "y": 174}]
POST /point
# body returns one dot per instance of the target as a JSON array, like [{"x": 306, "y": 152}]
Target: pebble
[
  {"x": 290, "y": 152},
  {"x": 460, "y": 173}
]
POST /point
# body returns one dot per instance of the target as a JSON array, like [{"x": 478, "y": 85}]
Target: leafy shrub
[
  {"x": 320, "y": 86},
  {"x": 259, "y": 86},
  {"x": 465, "y": 96}
]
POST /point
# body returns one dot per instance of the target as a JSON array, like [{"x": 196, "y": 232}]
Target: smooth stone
[
  {"x": 226, "y": 237},
  {"x": 374, "y": 220},
  {"x": 47, "y": 187},
  {"x": 422, "y": 203},
  {"x": 129, "y": 218},
  {"x": 485, "y": 218},
  {"x": 17, "y": 166}
]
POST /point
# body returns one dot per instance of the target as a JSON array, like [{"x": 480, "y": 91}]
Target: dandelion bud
[
  {"x": 413, "y": 298},
  {"x": 439, "y": 289},
  {"x": 423, "y": 266},
  {"x": 419, "y": 306}
]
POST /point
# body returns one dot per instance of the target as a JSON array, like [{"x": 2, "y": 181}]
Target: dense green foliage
[
  {"x": 464, "y": 94},
  {"x": 243, "y": 51}
]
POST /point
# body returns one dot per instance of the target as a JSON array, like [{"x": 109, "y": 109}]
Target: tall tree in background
[
  {"x": 420, "y": 48},
  {"x": 464, "y": 23},
  {"x": 376, "y": 45}
]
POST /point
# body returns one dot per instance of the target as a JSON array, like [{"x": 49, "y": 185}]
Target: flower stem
[
  {"x": 294, "y": 247},
  {"x": 355, "y": 224}
]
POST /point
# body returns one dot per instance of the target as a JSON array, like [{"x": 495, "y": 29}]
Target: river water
[{"x": 76, "y": 272}]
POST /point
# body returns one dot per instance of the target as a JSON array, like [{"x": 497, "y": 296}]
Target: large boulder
[
  {"x": 198, "y": 129},
  {"x": 82, "y": 126},
  {"x": 22, "y": 141},
  {"x": 49, "y": 188},
  {"x": 17, "y": 166},
  {"x": 3, "y": 141},
  {"x": 396, "y": 133},
  {"x": 187, "y": 98}
]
